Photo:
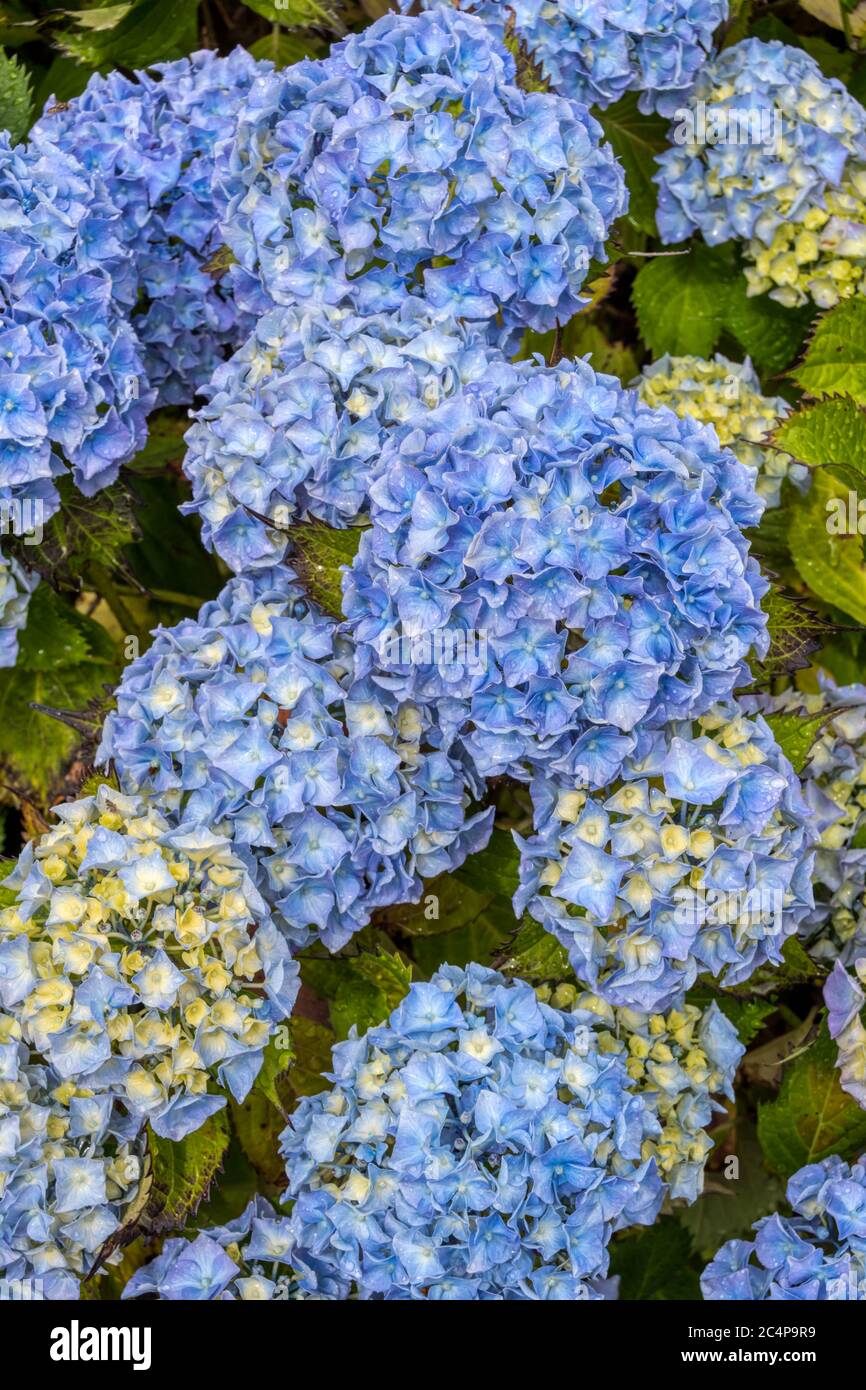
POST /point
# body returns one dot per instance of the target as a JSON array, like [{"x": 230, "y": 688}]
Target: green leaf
[
  {"x": 835, "y": 360},
  {"x": 582, "y": 335},
  {"x": 796, "y": 632},
  {"x": 812, "y": 1117},
  {"x": 66, "y": 661},
  {"x": 86, "y": 532},
  {"x": 636, "y": 140},
  {"x": 831, "y": 432},
  {"x": 182, "y": 1173},
  {"x": 796, "y": 734},
  {"x": 362, "y": 989},
  {"x": 494, "y": 869},
  {"x": 291, "y": 12},
  {"x": 16, "y": 98},
  {"x": 258, "y": 1124},
  {"x": 62, "y": 80},
  {"x": 130, "y": 36},
  {"x": 535, "y": 955},
  {"x": 311, "y": 1045},
  {"x": 654, "y": 1264},
  {"x": 747, "y": 1015},
  {"x": 284, "y": 49},
  {"x": 276, "y": 1060},
  {"x": 319, "y": 554},
  {"x": 680, "y": 300},
  {"x": 831, "y": 565},
  {"x": 768, "y": 332}
]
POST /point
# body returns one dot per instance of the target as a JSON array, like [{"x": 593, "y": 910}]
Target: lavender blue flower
[
  {"x": 834, "y": 785},
  {"x": 73, "y": 389},
  {"x": 597, "y": 50},
  {"x": 297, "y": 419},
  {"x": 816, "y": 1254},
  {"x": 479, "y": 1145},
  {"x": 682, "y": 1062},
  {"x": 845, "y": 1000},
  {"x": 71, "y": 1163},
  {"x": 409, "y": 158},
  {"x": 763, "y": 146},
  {"x": 728, "y": 396},
  {"x": 250, "y": 719},
  {"x": 248, "y": 1259},
  {"x": 140, "y": 962},
  {"x": 150, "y": 141},
  {"x": 697, "y": 857},
  {"x": 581, "y": 553}
]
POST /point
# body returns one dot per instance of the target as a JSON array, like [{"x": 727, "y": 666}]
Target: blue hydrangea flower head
[
  {"x": 248, "y": 1259},
  {"x": 478, "y": 1145},
  {"x": 140, "y": 960},
  {"x": 834, "y": 785},
  {"x": 583, "y": 551},
  {"x": 597, "y": 50},
  {"x": 763, "y": 139},
  {"x": 696, "y": 858},
  {"x": 408, "y": 159},
  {"x": 71, "y": 1164},
  {"x": 150, "y": 142},
  {"x": 682, "y": 1062},
  {"x": 728, "y": 396},
  {"x": 297, "y": 418},
  {"x": 816, "y": 1254},
  {"x": 73, "y": 390},
  {"x": 250, "y": 720}
]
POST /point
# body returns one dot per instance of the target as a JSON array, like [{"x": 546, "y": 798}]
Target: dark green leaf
[
  {"x": 131, "y": 36},
  {"x": 636, "y": 140},
  {"x": 680, "y": 300},
  {"x": 796, "y": 631},
  {"x": 182, "y": 1173},
  {"x": 834, "y": 363},
  {"x": 812, "y": 1116},
  {"x": 16, "y": 98},
  {"x": 535, "y": 955},
  {"x": 319, "y": 554},
  {"x": 653, "y": 1264}
]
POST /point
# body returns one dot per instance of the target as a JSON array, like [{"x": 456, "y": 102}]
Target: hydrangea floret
[
  {"x": 728, "y": 396},
  {"x": 247, "y": 1260},
  {"x": 73, "y": 389},
  {"x": 833, "y": 778},
  {"x": 250, "y": 719},
  {"x": 478, "y": 1145},
  {"x": 683, "y": 1061},
  {"x": 597, "y": 52},
  {"x": 296, "y": 420},
  {"x": 408, "y": 159},
  {"x": 140, "y": 962},
  {"x": 149, "y": 140},
  {"x": 16, "y": 586},
  {"x": 696, "y": 858},
  {"x": 71, "y": 1163},
  {"x": 771, "y": 152},
  {"x": 593, "y": 547},
  {"x": 818, "y": 1253},
  {"x": 845, "y": 1000}
]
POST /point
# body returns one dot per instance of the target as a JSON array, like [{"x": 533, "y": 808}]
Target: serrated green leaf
[
  {"x": 796, "y": 734},
  {"x": 812, "y": 1116},
  {"x": 535, "y": 955},
  {"x": 276, "y": 1060},
  {"x": 680, "y": 300},
  {"x": 311, "y": 1045},
  {"x": 86, "y": 532},
  {"x": 131, "y": 36},
  {"x": 66, "y": 661},
  {"x": 636, "y": 140},
  {"x": 16, "y": 97},
  {"x": 795, "y": 630},
  {"x": 319, "y": 555},
  {"x": 834, "y": 363},
  {"x": 653, "y": 1264},
  {"x": 182, "y": 1173},
  {"x": 831, "y": 565},
  {"x": 831, "y": 432}
]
